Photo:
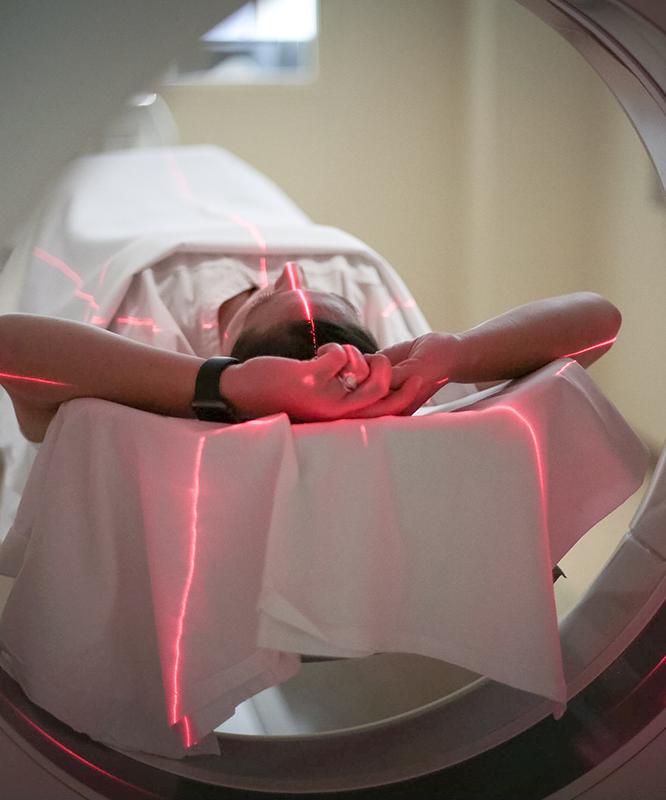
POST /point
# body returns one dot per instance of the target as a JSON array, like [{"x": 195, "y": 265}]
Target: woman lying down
[{"x": 292, "y": 350}]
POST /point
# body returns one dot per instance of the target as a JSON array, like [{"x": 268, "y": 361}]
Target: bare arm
[
  {"x": 582, "y": 326},
  {"x": 45, "y": 362}
]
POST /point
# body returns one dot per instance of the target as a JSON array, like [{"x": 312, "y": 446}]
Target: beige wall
[{"x": 478, "y": 152}]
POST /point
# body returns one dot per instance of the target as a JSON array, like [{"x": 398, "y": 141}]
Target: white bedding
[
  {"x": 115, "y": 223},
  {"x": 169, "y": 569}
]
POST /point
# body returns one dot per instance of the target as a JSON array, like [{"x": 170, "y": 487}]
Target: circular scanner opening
[{"x": 331, "y": 697}]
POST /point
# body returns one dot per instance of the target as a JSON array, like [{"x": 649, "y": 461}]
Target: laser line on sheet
[
  {"x": 175, "y": 711},
  {"x": 395, "y": 305},
  {"x": 139, "y": 322},
  {"x": 261, "y": 242},
  {"x": 188, "y": 195},
  {"x": 566, "y": 366},
  {"x": 62, "y": 266},
  {"x": 191, "y": 562}
]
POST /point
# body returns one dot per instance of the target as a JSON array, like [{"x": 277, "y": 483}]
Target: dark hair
[{"x": 297, "y": 339}]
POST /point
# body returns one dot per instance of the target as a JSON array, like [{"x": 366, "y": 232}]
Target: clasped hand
[
  {"x": 311, "y": 391},
  {"x": 431, "y": 357}
]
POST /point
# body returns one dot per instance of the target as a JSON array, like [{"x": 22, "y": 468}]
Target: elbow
[{"x": 606, "y": 316}]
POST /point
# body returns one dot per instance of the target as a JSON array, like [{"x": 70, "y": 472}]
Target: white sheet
[
  {"x": 168, "y": 569},
  {"x": 114, "y": 222}
]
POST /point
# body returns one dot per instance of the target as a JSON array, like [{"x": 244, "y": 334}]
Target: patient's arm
[
  {"x": 46, "y": 361},
  {"x": 582, "y": 326}
]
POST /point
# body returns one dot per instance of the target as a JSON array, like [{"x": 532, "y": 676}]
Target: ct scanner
[{"x": 486, "y": 740}]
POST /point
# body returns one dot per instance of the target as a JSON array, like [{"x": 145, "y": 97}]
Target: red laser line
[
  {"x": 395, "y": 305},
  {"x": 77, "y": 756},
  {"x": 138, "y": 322},
  {"x": 188, "y": 195},
  {"x": 59, "y": 264},
  {"x": 566, "y": 366},
  {"x": 641, "y": 683},
  {"x": 10, "y": 376},
  {"x": 194, "y": 522},
  {"x": 87, "y": 297},
  {"x": 102, "y": 274},
  {"x": 188, "y": 739},
  {"x": 261, "y": 242},
  {"x": 290, "y": 266},
  {"x": 179, "y": 177},
  {"x": 591, "y": 347},
  {"x": 538, "y": 459}
]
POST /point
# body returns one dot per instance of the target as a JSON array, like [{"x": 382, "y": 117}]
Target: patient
[{"x": 301, "y": 352}]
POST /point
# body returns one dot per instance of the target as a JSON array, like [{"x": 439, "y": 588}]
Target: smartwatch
[{"x": 208, "y": 403}]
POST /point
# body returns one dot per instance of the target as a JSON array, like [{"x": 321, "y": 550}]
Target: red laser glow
[
  {"x": 179, "y": 177},
  {"x": 394, "y": 306},
  {"x": 591, "y": 347},
  {"x": 194, "y": 521},
  {"x": 537, "y": 456},
  {"x": 295, "y": 286},
  {"x": 188, "y": 738},
  {"x": 139, "y": 322},
  {"x": 261, "y": 242},
  {"x": 30, "y": 379},
  {"x": 59, "y": 264},
  {"x": 364, "y": 435},
  {"x": 566, "y": 366},
  {"x": 77, "y": 756},
  {"x": 102, "y": 274},
  {"x": 642, "y": 683},
  {"x": 175, "y": 714},
  {"x": 77, "y": 280}
]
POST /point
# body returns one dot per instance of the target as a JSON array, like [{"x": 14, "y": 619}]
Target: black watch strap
[{"x": 208, "y": 403}]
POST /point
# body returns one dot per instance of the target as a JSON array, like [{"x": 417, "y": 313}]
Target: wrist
[
  {"x": 208, "y": 403},
  {"x": 448, "y": 347},
  {"x": 230, "y": 387}
]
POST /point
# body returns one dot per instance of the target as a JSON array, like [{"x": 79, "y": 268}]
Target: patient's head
[
  {"x": 276, "y": 321},
  {"x": 295, "y": 339}
]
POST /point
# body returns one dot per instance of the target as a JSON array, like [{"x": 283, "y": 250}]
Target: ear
[{"x": 292, "y": 277}]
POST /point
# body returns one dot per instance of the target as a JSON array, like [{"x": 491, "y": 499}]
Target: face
[{"x": 287, "y": 301}]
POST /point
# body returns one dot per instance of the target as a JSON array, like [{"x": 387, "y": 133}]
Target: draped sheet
[
  {"x": 112, "y": 220},
  {"x": 168, "y": 569}
]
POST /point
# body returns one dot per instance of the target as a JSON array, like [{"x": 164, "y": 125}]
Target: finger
[
  {"x": 356, "y": 363},
  {"x": 398, "y": 352},
  {"x": 403, "y": 371},
  {"x": 375, "y": 386},
  {"x": 402, "y": 401},
  {"x": 330, "y": 359}
]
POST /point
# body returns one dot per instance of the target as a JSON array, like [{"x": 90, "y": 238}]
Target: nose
[{"x": 292, "y": 277}]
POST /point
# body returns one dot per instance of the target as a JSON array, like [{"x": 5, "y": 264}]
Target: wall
[{"x": 477, "y": 151}]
